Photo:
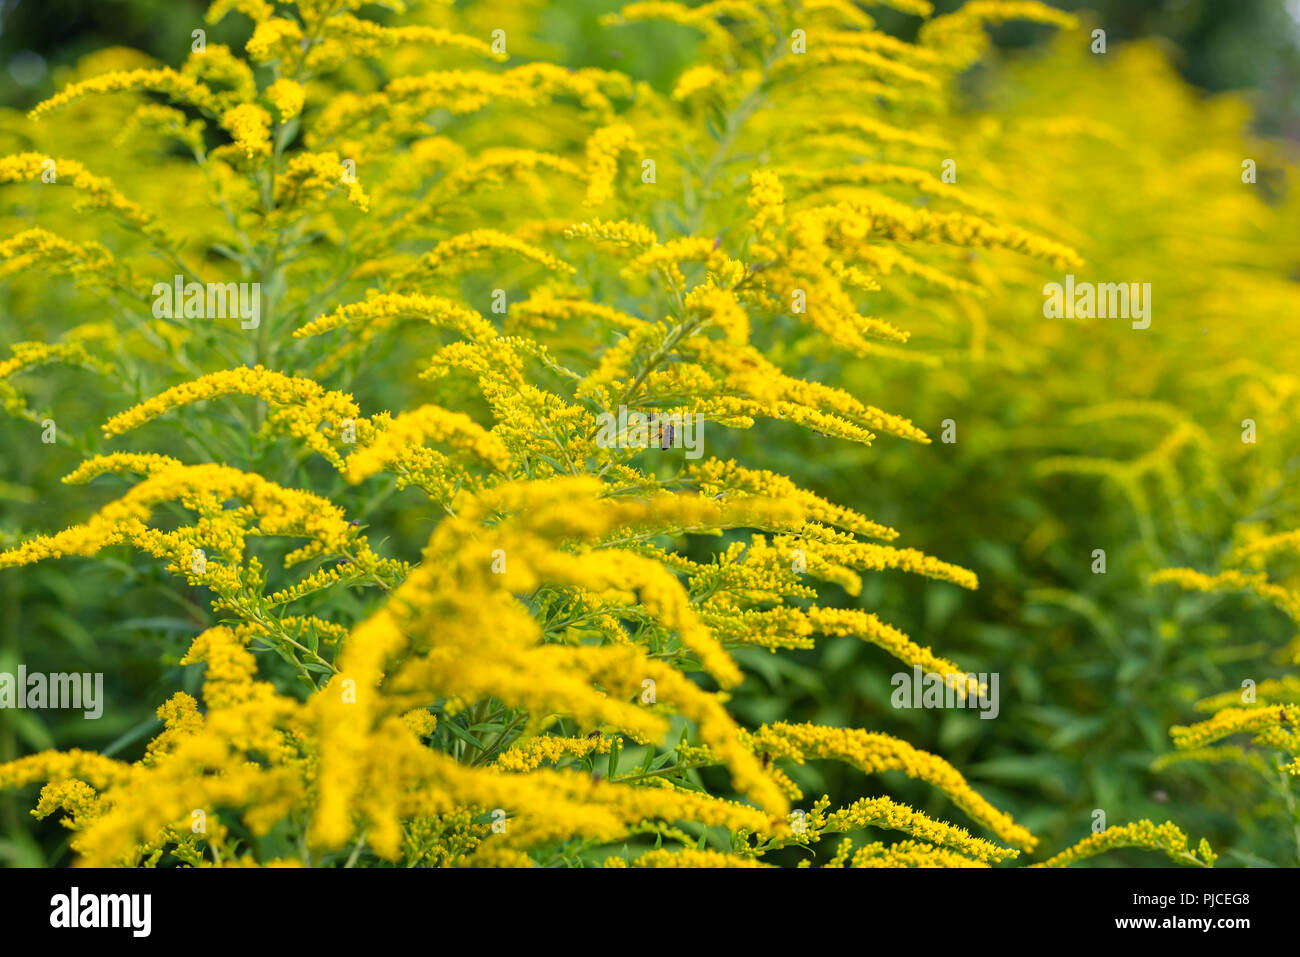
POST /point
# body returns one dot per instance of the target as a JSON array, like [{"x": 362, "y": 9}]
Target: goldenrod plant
[
  {"x": 1091, "y": 454},
  {"x": 1255, "y": 727},
  {"x": 428, "y": 370}
]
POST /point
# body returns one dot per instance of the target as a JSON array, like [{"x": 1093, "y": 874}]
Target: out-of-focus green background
[{"x": 1218, "y": 44}]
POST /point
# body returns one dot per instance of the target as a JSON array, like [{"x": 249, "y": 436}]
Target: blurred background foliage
[
  {"x": 1217, "y": 45},
  {"x": 1094, "y": 668}
]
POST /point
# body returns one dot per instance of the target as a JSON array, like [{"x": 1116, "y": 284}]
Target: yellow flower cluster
[
  {"x": 99, "y": 193},
  {"x": 310, "y": 177},
  {"x": 603, "y": 150},
  {"x": 413, "y": 429},
  {"x": 176, "y": 86},
  {"x": 549, "y": 749},
  {"x": 287, "y": 97},
  {"x": 449, "y": 705},
  {"x": 300, "y": 407},
  {"x": 380, "y": 308},
  {"x": 1144, "y": 834},
  {"x": 250, "y": 127},
  {"x": 909, "y": 854},
  {"x": 873, "y": 753},
  {"x": 38, "y": 247}
]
